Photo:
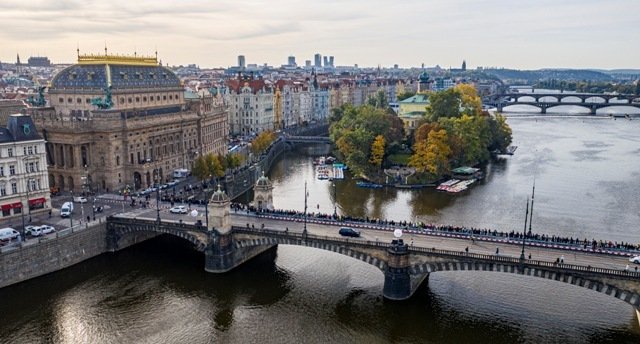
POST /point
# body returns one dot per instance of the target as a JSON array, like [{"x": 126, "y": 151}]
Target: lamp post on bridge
[
  {"x": 335, "y": 202},
  {"x": 524, "y": 231},
  {"x": 304, "y": 231}
]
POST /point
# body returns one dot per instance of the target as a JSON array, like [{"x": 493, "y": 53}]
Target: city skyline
[{"x": 495, "y": 33}]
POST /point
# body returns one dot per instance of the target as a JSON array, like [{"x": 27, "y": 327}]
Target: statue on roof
[
  {"x": 40, "y": 101},
  {"x": 106, "y": 103}
]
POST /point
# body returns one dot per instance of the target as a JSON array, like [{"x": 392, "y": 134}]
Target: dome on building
[
  {"x": 424, "y": 77},
  {"x": 219, "y": 196},
  {"x": 121, "y": 72},
  {"x": 263, "y": 181}
]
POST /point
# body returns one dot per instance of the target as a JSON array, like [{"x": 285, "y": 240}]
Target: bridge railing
[
  {"x": 455, "y": 233},
  {"x": 528, "y": 262},
  {"x": 164, "y": 223},
  {"x": 439, "y": 252}
]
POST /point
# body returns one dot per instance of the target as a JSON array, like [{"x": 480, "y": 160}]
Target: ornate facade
[
  {"x": 117, "y": 121},
  {"x": 24, "y": 187}
]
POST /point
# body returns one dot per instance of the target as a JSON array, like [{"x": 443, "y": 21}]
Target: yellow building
[{"x": 412, "y": 110}]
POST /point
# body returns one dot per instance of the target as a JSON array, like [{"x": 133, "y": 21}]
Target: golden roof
[{"x": 91, "y": 59}]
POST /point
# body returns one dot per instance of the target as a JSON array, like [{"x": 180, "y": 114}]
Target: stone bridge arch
[
  {"x": 623, "y": 289},
  {"x": 118, "y": 233},
  {"x": 374, "y": 258}
]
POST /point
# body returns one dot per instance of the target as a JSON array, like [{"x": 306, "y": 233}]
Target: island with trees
[{"x": 454, "y": 132}]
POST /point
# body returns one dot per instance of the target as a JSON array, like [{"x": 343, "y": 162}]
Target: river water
[{"x": 585, "y": 169}]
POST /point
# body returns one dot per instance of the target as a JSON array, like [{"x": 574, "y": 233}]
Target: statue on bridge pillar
[
  {"x": 263, "y": 193},
  {"x": 219, "y": 208}
]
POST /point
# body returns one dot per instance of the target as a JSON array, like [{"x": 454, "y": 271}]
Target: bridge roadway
[{"x": 426, "y": 239}]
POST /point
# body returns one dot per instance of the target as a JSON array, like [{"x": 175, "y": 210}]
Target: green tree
[
  {"x": 200, "y": 168},
  {"x": 377, "y": 151},
  {"x": 470, "y": 103},
  {"x": 443, "y": 104},
  {"x": 500, "y": 133},
  {"x": 215, "y": 166}
]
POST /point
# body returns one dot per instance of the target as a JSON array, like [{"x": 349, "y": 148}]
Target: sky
[{"x": 520, "y": 34}]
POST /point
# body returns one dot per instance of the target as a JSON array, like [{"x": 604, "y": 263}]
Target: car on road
[
  {"x": 98, "y": 208},
  {"x": 635, "y": 259},
  {"x": 180, "y": 209},
  {"x": 46, "y": 229},
  {"x": 350, "y": 232},
  {"x": 79, "y": 199},
  {"x": 8, "y": 234},
  {"x": 33, "y": 230}
]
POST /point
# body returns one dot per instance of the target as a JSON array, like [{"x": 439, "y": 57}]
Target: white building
[
  {"x": 250, "y": 105},
  {"x": 24, "y": 185},
  {"x": 320, "y": 100}
]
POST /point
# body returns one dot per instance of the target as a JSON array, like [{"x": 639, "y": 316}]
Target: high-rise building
[
  {"x": 331, "y": 61},
  {"x": 292, "y": 61},
  {"x": 464, "y": 65},
  {"x": 307, "y": 63},
  {"x": 326, "y": 61},
  {"x": 318, "y": 60},
  {"x": 241, "y": 61}
]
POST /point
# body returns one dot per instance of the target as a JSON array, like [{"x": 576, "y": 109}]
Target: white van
[
  {"x": 67, "y": 209},
  {"x": 79, "y": 199},
  {"x": 180, "y": 173},
  {"x": 8, "y": 233}
]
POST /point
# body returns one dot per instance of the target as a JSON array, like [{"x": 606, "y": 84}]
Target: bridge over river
[
  {"x": 235, "y": 237},
  {"x": 544, "y": 101}
]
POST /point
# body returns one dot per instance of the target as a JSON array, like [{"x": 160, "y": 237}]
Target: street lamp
[
  {"x": 71, "y": 212},
  {"x": 94, "y": 208},
  {"x": 335, "y": 201},
  {"x": 524, "y": 231},
  {"x": 305, "y": 208},
  {"x": 157, "y": 194}
]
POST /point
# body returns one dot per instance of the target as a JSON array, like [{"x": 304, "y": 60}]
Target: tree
[
  {"x": 500, "y": 133},
  {"x": 215, "y": 166},
  {"x": 200, "y": 168},
  {"x": 432, "y": 155},
  {"x": 377, "y": 151},
  {"x": 469, "y": 101},
  {"x": 443, "y": 104}
]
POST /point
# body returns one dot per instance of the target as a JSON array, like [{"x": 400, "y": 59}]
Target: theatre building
[
  {"x": 123, "y": 121},
  {"x": 24, "y": 187}
]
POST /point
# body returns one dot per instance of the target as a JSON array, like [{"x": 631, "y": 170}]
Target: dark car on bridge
[{"x": 350, "y": 232}]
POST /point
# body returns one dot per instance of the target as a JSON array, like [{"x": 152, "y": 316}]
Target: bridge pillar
[
  {"x": 544, "y": 110},
  {"x": 594, "y": 108},
  {"x": 218, "y": 210},
  {"x": 263, "y": 193},
  {"x": 397, "y": 281}
]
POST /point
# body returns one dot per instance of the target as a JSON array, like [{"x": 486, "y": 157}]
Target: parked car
[
  {"x": 350, "y": 232},
  {"x": 98, "y": 209},
  {"x": 79, "y": 199},
  {"x": 180, "y": 209},
  {"x": 33, "y": 230},
  {"x": 46, "y": 229},
  {"x": 635, "y": 259},
  {"x": 8, "y": 233}
]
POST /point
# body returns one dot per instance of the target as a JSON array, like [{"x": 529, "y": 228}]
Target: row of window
[
  {"x": 33, "y": 185},
  {"x": 129, "y": 100},
  {"x": 27, "y": 150},
  {"x": 29, "y": 167}
]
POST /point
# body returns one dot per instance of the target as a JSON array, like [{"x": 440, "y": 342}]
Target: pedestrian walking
[
  {"x": 626, "y": 268},
  {"x": 529, "y": 256},
  {"x": 49, "y": 213},
  {"x": 497, "y": 251},
  {"x": 561, "y": 259},
  {"x": 466, "y": 249}
]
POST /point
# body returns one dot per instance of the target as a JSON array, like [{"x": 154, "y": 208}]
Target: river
[{"x": 585, "y": 169}]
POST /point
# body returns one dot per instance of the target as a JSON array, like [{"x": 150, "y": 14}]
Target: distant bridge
[
  {"x": 308, "y": 139},
  {"x": 586, "y": 100},
  {"x": 404, "y": 266}
]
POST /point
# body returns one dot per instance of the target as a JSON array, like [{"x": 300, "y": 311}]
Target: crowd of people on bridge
[{"x": 471, "y": 232}]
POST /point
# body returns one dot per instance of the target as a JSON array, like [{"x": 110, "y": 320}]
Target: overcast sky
[{"x": 513, "y": 34}]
